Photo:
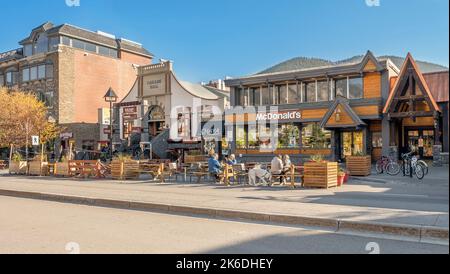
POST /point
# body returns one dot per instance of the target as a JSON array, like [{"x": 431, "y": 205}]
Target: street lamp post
[{"x": 111, "y": 98}]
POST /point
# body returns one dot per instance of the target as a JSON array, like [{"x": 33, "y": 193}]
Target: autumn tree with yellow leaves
[{"x": 22, "y": 115}]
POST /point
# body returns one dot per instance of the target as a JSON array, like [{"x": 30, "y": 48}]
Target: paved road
[
  {"x": 30, "y": 226},
  {"x": 417, "y": 204}
]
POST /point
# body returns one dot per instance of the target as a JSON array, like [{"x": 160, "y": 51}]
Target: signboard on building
[
  {"x": 106, "y": 116},
  {"x": 154, "y": 84},
  {"x": 66, "y": 135},
  {"x": 288, "y": 115},
  {"x": 130, "y": 113}
]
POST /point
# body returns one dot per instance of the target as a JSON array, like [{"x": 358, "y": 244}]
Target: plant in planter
[
  {"x": 320, "y": 173},
  {"x": 62, "y": 168},
  {"x": 317, "y": 159},
  {"x": 359, "y": 164},
  {"x": 18, "y": 165},
  {"x": 341, "y": 177},
  {"x": 123, "y": 167}
]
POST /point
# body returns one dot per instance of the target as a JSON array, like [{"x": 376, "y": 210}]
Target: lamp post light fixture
[{"x": 111, "y": 97}]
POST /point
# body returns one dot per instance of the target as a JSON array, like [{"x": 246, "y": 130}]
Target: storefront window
[
  {"x": 323, "y": 93},
  {"x": 309, "y": 92},
  {"x": 266, "y": 137},
  {"x": 340, "y": 87},
  {"x": 356, "y": 88},
  {"x": 241, "y": 136},
  {"x": 293, "y": 97},
  {"x": 184, "y": 123},
  {"x": 288, "y": 136},
  {"x": 253, "y": 137},
  {"x": 314, "y": 137},
  {"x": 283, "y": 93},
  {"x": 377, "y": 140}
]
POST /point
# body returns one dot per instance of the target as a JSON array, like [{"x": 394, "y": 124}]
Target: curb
[{"x": 415, "y": 232}]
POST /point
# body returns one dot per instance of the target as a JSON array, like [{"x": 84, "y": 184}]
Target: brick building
[{"x": 70, "y": 69}]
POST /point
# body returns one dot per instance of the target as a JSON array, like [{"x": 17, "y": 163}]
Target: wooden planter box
[
  {"x": 321, "y": 175},
  {"x": 359, "y": 165},
  {"x": 125, "y": 170},
  {"x": 18, "y": 168},
  {"x": 62, "y": 169},
  {"x": 37, "y": 168}
]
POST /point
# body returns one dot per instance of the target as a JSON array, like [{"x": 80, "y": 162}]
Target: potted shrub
[
  {"x": 320, "y": 173},
  {"x": 359, "y": 164},
  {"x": 18, "y": 165},
  {"x": 37, "y": 167},
  {"x": 62, "y": 168},
  {"x": 123, "y": 168},
  {"x": 341, "y": 177}
]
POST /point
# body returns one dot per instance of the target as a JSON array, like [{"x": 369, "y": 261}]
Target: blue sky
[{"x": 209, "y": 39}]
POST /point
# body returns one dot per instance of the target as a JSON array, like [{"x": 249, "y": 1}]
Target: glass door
[
  {"x": 352, "y": 143},
  {"x": 421, "y": 141},
  {"x": 428, "y": 143}
]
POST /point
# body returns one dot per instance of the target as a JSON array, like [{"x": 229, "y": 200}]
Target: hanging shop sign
[
  {"x": 66, "y": 135},
  {"x": 288, "y": 115},
  {"x": 130, "y": 113}
]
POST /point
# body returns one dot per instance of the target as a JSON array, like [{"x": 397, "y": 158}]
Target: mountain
[{"x": 306, "y": 63}]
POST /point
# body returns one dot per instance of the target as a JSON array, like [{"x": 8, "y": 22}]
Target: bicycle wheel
[
  {"x": 419, "y": 171},
  {"x": 393, "y": 169},
  {"x": 424, "y": 166},
  {"x": 379, "y": 167}
]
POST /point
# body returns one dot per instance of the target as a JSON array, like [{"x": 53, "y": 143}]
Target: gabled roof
[
  {"x": 410, "y": 62},
  {"x": 42, "y": 28},
  {"x": 344, "y": 102},
  {"x": 369, "y": 57}
]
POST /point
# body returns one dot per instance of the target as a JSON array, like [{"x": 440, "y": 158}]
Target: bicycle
[
  {"x": 411, "y": 165},
  {"x": 382, "y": 165}
]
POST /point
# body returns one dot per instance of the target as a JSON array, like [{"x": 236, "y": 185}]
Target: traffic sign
[{"x": 35, "y": 140}]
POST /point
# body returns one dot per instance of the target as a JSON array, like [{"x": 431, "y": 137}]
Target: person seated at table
[
  {"x": 232, "y": 160},
  {"x": 277, "y": 167},
  {"x": 287, "y": 163},
  {"x": 214, "y": 166}
]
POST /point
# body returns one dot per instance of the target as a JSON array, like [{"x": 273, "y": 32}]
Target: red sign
[
  {"x": 107, "y": 131},
  {"x": 130, "y": 110}
]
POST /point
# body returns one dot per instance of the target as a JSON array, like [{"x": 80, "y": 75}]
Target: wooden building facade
[{"x": 334, "y": 111}]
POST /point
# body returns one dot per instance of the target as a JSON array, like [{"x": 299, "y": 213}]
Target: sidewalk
[
  {"x": 404, "y": 206},
  {"x": 437, "y": 176}
]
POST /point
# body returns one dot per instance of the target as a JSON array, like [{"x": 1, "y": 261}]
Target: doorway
[
  {"x": 156, "y": 128},
  {"x": 420, "y": 140},
  {"x": 352, "y": 143}
]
